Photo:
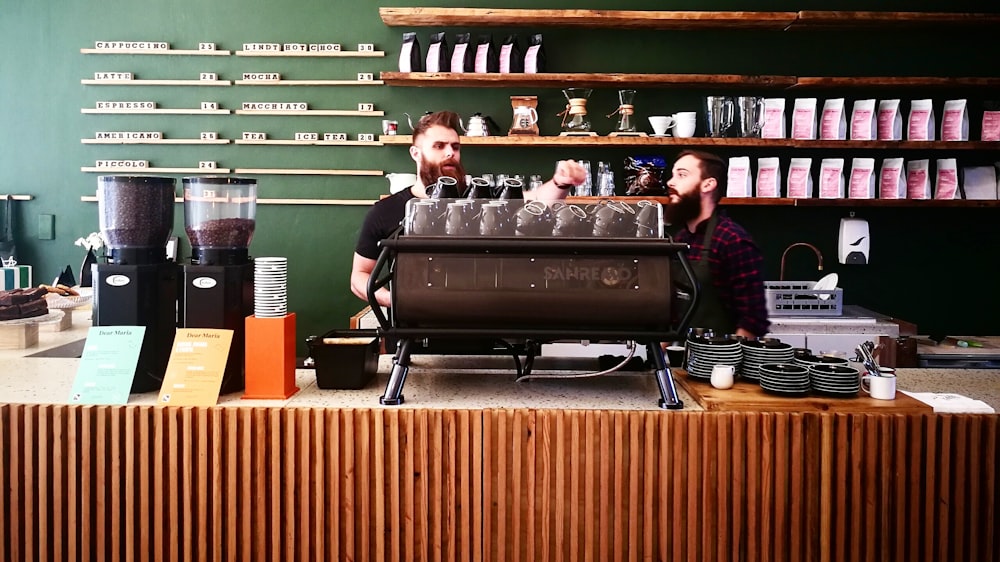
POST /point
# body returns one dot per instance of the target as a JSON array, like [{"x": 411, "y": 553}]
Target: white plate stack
[
  {"x": 705, "y": 353},
  {"x": 270, "y": 287},
  {"x": 757, "y": 353},
  {"x": 835, "y": 380},
  {"x": 784, "y": 378}
]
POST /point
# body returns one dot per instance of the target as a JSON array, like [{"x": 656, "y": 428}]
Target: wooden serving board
[{"x": 745, "y": 396}]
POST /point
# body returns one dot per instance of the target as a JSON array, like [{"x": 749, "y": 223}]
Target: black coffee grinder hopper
[{"x": 217, "y": 287}]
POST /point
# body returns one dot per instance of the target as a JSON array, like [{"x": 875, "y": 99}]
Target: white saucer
[
  {"x": 827, "y": 283},
  {"x": 660, "y": 136}
]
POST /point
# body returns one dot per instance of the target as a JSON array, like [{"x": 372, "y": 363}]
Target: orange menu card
[{"x": 197, "y": 364}]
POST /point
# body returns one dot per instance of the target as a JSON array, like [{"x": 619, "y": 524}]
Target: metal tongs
[{"x": 866, "y": 355}]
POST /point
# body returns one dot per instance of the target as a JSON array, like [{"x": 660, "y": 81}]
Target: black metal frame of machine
[{"x": 544, "y": 289}]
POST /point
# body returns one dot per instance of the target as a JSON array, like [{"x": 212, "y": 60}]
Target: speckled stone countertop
[
  {"x": 855, "y": 320},
  {"x": 445, "y": 382}
]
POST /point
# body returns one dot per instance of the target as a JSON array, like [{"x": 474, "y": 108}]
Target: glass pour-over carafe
[
  {"x": 575, "y": 115},
  {"x": 626, "y": 124}
]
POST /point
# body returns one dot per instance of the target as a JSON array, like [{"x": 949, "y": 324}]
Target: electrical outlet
[{"x": 46, "y": 227}]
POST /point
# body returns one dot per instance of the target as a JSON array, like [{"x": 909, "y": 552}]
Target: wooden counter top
[{"x": 746, "y": 396}]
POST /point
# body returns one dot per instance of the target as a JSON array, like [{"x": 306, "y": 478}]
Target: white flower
[{"x": 93, "y": 241}]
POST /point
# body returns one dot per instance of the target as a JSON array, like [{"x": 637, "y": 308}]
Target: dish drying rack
[{"x": 799, "y": 298}]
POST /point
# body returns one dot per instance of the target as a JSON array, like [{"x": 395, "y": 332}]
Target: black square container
[{"x": 344, "y": 359}]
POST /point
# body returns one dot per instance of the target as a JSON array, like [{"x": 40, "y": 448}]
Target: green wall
[{"x": 930, "y": 266}]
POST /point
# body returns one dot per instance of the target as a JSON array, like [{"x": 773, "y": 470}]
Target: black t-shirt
[{"x": 380, "y": 222}]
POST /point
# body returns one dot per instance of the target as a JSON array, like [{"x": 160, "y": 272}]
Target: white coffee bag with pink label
[
  {"x": 739, "y": 182},
  {"x": 861, "y": 182},
  {"x": 831, "y": 178},
  {"x": 991, "y": 126},
  {"x": 946, "y": 179},
  {"x": 864, "y": 120},
  {"x": 892, "y": 179},
  {"x": 955, "y": 121},
  {"x": 918, "y": 179},
  {"x": 920, "y": 126},
  {"x": 768, "y": 177},
  {"x": 833, "y": 122},
  {"x": 804, "y": 119},
  {"x": 774, "y": 119},
  {"x": 890, "y": 120},
  {"x": 800, "y": 184}
]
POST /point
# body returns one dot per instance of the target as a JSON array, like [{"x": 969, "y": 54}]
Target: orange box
[{"x": 270, "y": 358}]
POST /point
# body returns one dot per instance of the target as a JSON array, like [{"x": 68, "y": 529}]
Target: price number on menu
[
  {"x": 209, "y": 105},
  {"x": 207, "y": 135},
  {"x": 365, "y": 76},
  {"x": 366, "y": 107},
  {"x": 208, "y": 76},
  {"x": 334, "y": 136},
  {"x": 206, "y": 46},
  {"x": 366, "y": 47},
  {"x": 366, "y": 137},
  {"x": 206, "y": 164}
]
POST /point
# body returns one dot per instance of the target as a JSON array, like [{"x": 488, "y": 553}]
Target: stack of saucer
[
  {"x": 760, "y": 352},
  {"x": 270, "y": 287},
  {"x": 707, "y": 352},
  {"x": 784, "y": 378},
  {"x": 835, "y": 380},
  {"x": 808, "y": 360}
]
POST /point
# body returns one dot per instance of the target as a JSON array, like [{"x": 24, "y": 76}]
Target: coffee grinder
[
  {"x": 138, "y": 285},
  {"x": 217, "y": 287}
]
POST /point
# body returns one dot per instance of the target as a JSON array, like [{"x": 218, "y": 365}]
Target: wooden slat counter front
[
  {"x": 157, "y": 483},
  {"x": 476, "y": 467}
]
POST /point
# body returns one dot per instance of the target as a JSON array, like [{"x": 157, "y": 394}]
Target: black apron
[{"x": 711, "y": 312}]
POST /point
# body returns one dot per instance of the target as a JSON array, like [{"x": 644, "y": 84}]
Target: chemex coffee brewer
[
  {"x": 217, "y": 288},
  {"x": 138, "y": 284}
]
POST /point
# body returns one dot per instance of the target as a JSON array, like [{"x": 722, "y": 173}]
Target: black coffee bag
[
  {"x": 437, "y": 53},
  {"x": 487, "y": 59},
  {"x": 409, "y": 54},
  {"x": 511, "y": 59},
  {"x": 463, "y": 55},
  {"x": 534, "y": 57}
]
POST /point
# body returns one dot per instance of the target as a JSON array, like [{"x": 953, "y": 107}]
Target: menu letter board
[
  {"x": 197, "y": 364},
  {"x": 107, "y": 365}
]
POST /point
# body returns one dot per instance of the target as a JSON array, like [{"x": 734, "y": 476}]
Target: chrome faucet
[{"x": 819, "y": 257}]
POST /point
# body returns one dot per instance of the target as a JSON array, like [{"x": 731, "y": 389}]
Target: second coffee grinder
[{"x": 217, "y": 287}]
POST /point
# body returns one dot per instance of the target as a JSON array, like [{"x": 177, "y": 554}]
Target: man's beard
[
  {"x": 684, "y": 210},
  {"x": 429, "y": 173}
]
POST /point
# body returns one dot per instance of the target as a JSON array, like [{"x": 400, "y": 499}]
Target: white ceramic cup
[
  {"x": 722, "y": 376},
  {"x": 684, "y": 123},
  {"x": 880, "y": 388},
  {"x": 661, "y": 124}
]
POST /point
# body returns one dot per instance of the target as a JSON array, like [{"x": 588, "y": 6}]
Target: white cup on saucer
[
  {"x": 684, "y": 123},
  {"x": 661, "y": 124}
]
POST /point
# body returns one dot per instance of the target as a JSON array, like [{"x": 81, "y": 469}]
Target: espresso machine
[
  {"x": 217, "y": 287},
  {"x": 138, "y": 284}
]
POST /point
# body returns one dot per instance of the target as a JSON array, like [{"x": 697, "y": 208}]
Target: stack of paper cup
[{"x": 270, "y": 287}]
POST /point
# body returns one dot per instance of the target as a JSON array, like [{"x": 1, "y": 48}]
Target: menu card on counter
[
  {"x": 107, "y": 366},
  {"x": 196, "y": 366}
]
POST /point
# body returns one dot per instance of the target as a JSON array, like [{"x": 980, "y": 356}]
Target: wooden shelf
[
  {"x": 313, "y": 112},
  {"x": 619, "y": 19},
  {"x": 309, "y": 83},
  {"x": 88, "y": 82},
  {"x": 155, "y": 141},
  {"x": 677, "y": 20},
  {"x": 289, "y": 142},
  {"x": 306, "y": 54},
  {"x": 357, "y": 202},
  {"x": 158, "y": 110},
  {"x": 894, "y": 82},
  {"x": 813, "y": 19},
  {"x": 406, "y": 140},
  {"x": 305, "y": 172},
  {"x": 810, "y": 203},
  {"x": 157, "y": 170},
  {"x": 581, "y": 80},
  {"x": 707, "y": 81},
  {"x": 196, "y": 52}
]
